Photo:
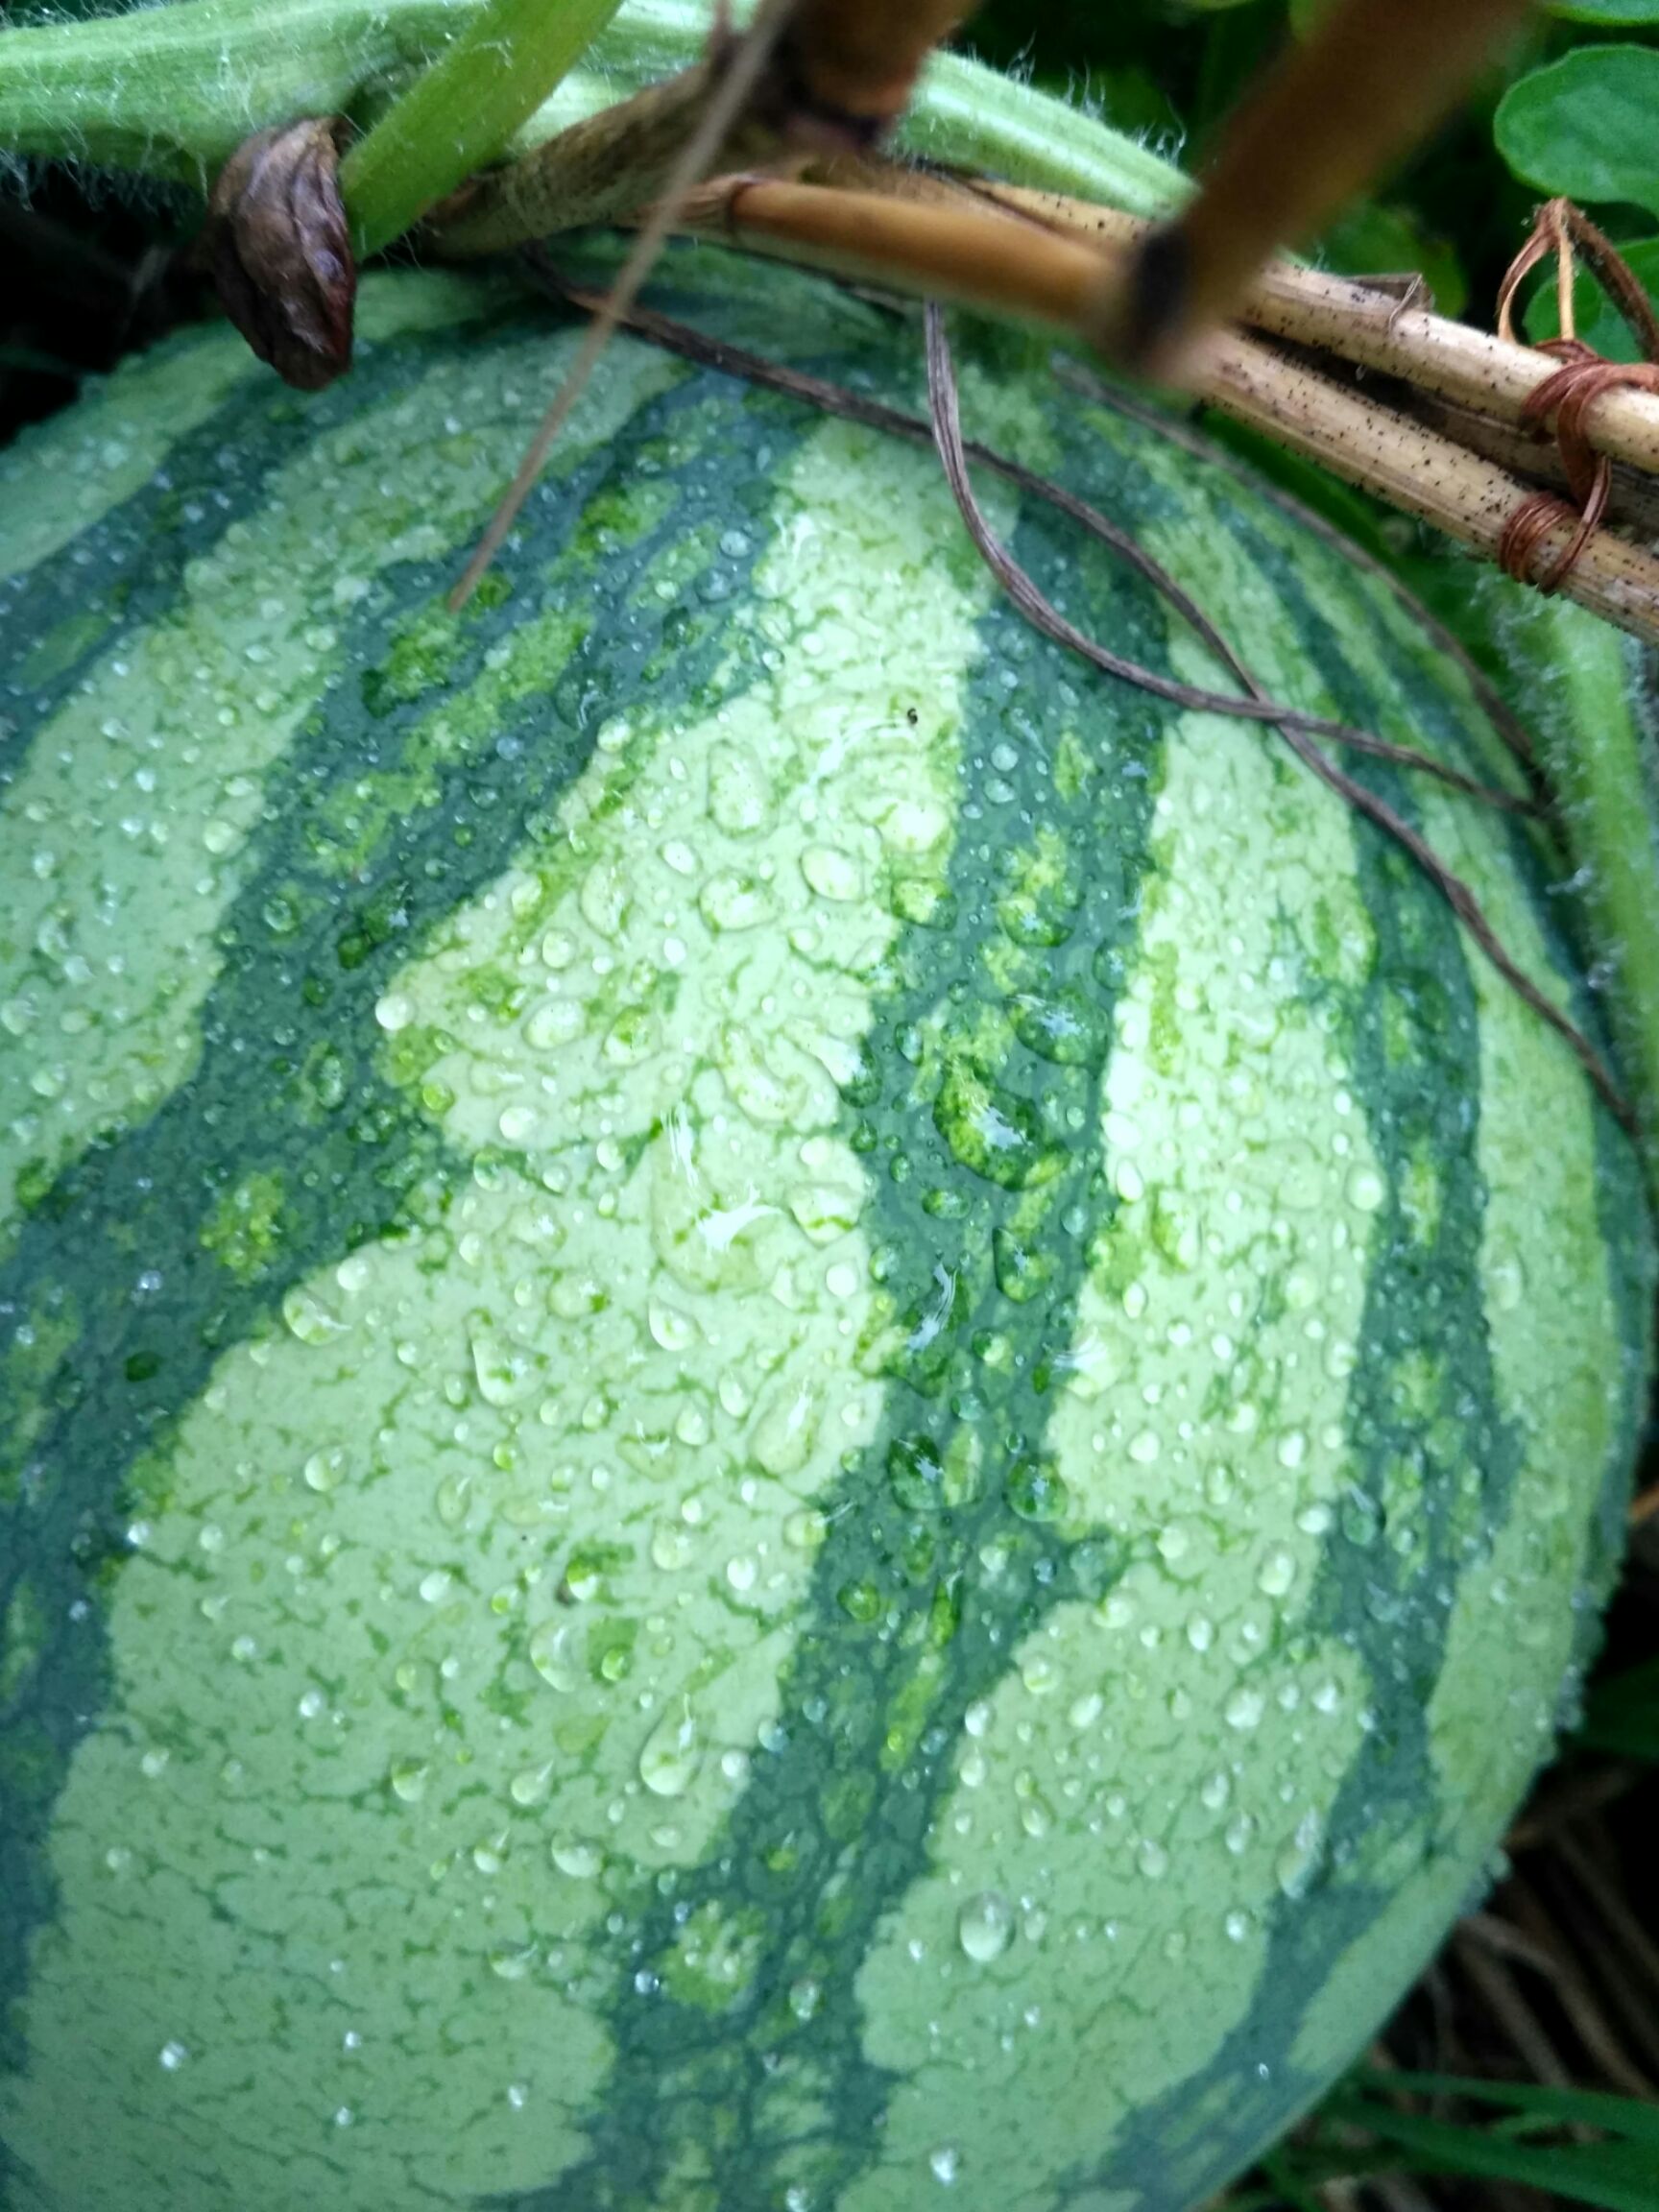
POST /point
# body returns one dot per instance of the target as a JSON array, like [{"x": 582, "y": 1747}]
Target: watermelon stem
[
  {"x": 171, "y": 92},
  {"x": 464, "y": 111},
  {"x": 1598, "y": 762}
]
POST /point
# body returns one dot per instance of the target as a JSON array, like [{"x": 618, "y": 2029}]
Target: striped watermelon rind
[{"x": 796, "y": 1411}]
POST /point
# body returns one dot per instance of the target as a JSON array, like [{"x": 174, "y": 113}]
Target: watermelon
[{"x": 798, "y": 1413}]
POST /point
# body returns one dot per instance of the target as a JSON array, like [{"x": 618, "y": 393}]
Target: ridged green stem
[
  {"x": 170, "y": 91},
  {"x": 461, "y": 114},
  {"x": 1593, "y": 756}
]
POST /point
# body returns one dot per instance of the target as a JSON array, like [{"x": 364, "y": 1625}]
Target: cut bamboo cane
[
  {"x": 1366, "y": 82},
  {"x": 1382, "y": 451},
  {"x": 589, "y": 172},
  {"x": 1337, "y": 314},
  {"x": 1634, "y": 499},
  {"x": 912, "y": 246},
  {"x": 1061, "y": 264}
]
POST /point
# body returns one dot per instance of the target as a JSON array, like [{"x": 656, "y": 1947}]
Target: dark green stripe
[
  {"x": 137, "y": 1251},
  {"x": 1411, "y": 1037},
  {"x": 68, "y": 613},
  {"x": 833, "y": 1826}
]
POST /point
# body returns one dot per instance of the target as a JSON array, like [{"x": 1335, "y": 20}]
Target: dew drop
[
  {"x": 860, "y": 1602},
  {"x": 833, "y": 873},
  {"x": 985, "y": 1926},
  {"x": 307, "y": 1318},
  {"x": 1277, "y": 1571},
  {"x": 552, "y": 1656},
  {"x": 671, "y": 1329},
  {"x": 502, "y": 1369},
  {"x": 323, "y": 1470},
  {"x": 672, "y": 1754},
  {"x": 1365, "y": 1189},
  {"x": 670, "y": 1548},
  {"x": 1244, "y": 1709}
]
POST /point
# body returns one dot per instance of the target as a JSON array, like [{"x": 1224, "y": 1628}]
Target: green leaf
[
  {"x": 1618, "y": 2177},
  {"x": 1585, "y": 125},
  {"x": 1539, "y": 2103},
  {"x": 1369, "y": 240},
  {"x": 1606, "y": 10},
  {"x": 1287, "y": 2182},
  {"x": 1622, "y": 1716},
  {"x": 1597, "y": 321}
]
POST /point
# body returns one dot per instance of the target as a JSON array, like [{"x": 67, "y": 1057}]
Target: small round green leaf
[
  {"x": 1369, "y": 240},
  {"x": 1585, "y": 125},
  {"x": 1606, "y": 11},
  {"x": 1598, "y": 322}
]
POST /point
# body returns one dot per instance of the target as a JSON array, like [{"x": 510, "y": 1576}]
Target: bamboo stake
[
  {"x": 1384, "y": 452},
  {"x": 577, "y": 180},
  {"x": 914, "y": 246},
  {"x": 1369, "y": 81},
  {"x": 910, "y": 244},
  {"x": 1634, "y": 500},
  {"x": 1337, "y": 314}
]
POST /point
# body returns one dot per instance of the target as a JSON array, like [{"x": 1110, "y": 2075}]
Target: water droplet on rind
[
  {"x": 672, "y": 1753},
  {"x": 916, "y": 1471},
  {"x": 992, "y": 1131},
  {"x": 985, "y": 1926},
  {"x": 1063, "y": 1025}
]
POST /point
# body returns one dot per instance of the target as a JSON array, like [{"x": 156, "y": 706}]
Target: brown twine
[
  {"x": 1570, "y": 391},
  {"x": 1185, "y": 433}
]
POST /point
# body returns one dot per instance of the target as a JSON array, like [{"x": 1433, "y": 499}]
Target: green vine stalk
[
  {"x": 171, "y": 91},
  {"x": 439, "y": 87},
  {"x": 462, "y": 111},
  {"x": 1591, "y": 753}
]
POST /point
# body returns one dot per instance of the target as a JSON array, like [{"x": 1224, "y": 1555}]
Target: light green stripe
[
  {"x": 430, "y": 1439},
  {"x": 107, "y": 950},
  {"x": 63, "y": 477}
]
